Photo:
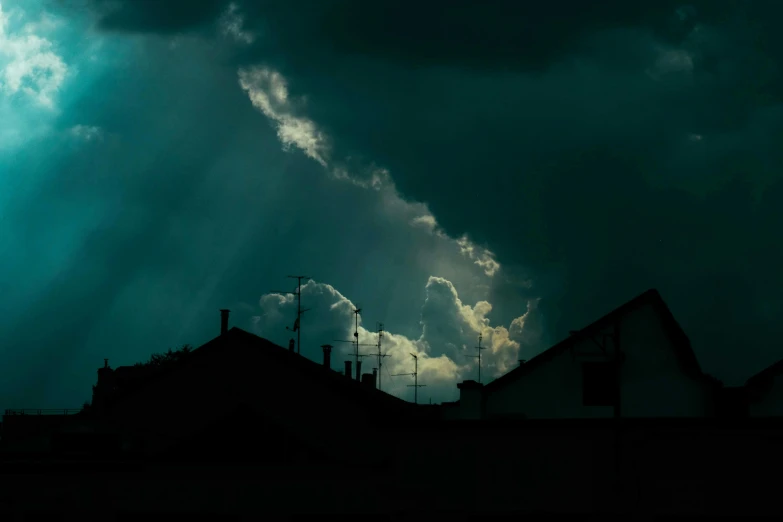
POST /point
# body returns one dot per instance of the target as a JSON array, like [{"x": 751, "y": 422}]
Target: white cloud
[
  {"x": 452, "y": 327},
  {"x": 45, "y": 24},
  {"x": 527, "y": 330},
  {"x": 268, "y": 93},
  {"x": 231, "y": 24},
  {"x": 481, "y": 256},
  {"x": 375, "y": 179},
  {"x": 28, "y": 62},
  {"x": 426, "y": 221},
  {"x": 86, "y": 132},
  {"x": 449, "y": 335}
]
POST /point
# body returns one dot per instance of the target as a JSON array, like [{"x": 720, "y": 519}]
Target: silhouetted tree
[{"x": 165, "y": 359}]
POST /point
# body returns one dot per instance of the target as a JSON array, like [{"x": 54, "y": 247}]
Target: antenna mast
[
  {"x": 380, "y": 355},
  {"x": 415, "y": 374},
  {"x": 479, "y": 348},
  {"x": 355, "y": 342},
  {"x": 299, "y": 310}
]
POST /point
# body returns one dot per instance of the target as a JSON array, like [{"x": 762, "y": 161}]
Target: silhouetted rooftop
[
  {"x": 251, "y": 350},
  {"x": 762, "y": 378},
  {"x": 679, "y": 339}
]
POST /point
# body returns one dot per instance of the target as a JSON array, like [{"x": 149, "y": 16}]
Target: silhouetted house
[
  {"x": 239, "y": 418},
  {"x": 212, "y": 398},
  {"x": 765, "y": 392},
  {"x": 217, "y": 391},
  {"x": 245, "y": 429},
  {"x": 634, "y": 362},
  {"x": 112, "y": 381}
]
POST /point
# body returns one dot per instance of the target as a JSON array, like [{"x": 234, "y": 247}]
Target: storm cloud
[
  {"x": 153, "y": 191},
  {"x": 597, "y": 150},
  {"x": 554, "y": 160}
]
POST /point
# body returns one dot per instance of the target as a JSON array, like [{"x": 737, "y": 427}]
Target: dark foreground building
[
  {"x": 238, "y": 428},
  {"x": 242, "y": 429}
]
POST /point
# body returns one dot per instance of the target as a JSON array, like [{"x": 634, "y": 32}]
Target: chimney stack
[
  {"x": 327, "y": 355},
  {"x": 368, "y": 380},
  {"x": 359, "y": 371},
  {"x": 348, "y": 369},
  {"x": 291, "y": 345},
  {"x": 224, "y": 321}
]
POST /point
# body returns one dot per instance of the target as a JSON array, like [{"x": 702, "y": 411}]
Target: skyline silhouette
[
  {"x": 268, "y": 410},
  {"x": 606, "y": 169},
  {"x": 494, "y": 185}
]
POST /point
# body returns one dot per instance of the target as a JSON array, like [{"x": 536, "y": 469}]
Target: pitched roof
[
  {"x": 247, "y": 348},
  {"x": 680, "y": 341},
  {"x": 764, "y": 377}
]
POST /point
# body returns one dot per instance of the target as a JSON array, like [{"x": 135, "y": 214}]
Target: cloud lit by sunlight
[
  {"x": 449, "y": 331},
  {"x": 29, "y": 63}
]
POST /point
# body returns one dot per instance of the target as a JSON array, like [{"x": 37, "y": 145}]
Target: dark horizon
[{"x": 240, "y": 427}]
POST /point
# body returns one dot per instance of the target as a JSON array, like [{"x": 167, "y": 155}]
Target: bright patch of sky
[
  {"x": 49, "y": 63},
  {"x": 47, "y": 60}
]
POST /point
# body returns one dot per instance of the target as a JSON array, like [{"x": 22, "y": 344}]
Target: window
[{"x": 599, "y": 386}]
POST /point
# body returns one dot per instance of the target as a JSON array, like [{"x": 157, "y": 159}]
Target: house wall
[
  {"x": 652, "y": 383},
  {"x": 768, "y": 403},
  {"x": 553, "y": 390}
]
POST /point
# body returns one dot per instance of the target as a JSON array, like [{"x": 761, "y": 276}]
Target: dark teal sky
[{"x": 159, "y": 164}]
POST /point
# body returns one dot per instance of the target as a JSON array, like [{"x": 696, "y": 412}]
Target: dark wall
[
  {"x": 572, "y": 466},
  {"x": 541, "y": 467}
]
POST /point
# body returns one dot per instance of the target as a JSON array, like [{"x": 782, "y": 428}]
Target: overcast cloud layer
[
  {"x": 152, "y": 180},
  {"x": 458, "y": 168},
  {"x": 597, "y": 150}
]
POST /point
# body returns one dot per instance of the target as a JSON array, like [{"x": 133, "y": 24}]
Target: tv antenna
[
  {"x": 299, "y": 310},
  {"x": 415, "y": 374},
  {"x": 380, "y": 355},
  {"x": 356, "y": 344},
  {"x": 479, "y": 348}
]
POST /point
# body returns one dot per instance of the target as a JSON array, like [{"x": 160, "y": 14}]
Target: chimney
[
  {"x": 358, "y": 370},
  {"x": 368, "y": 380},
  {"x": 327, "y": 355},
  {"x": 291, "y": 345},
  {"x": 104, "y": 374},
  {"x": 224, "y": 321},
  {"x": 348, "y": 369},
  {"x": 471, "y": 400},
  {"x": 105, "y": 385}
]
